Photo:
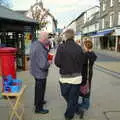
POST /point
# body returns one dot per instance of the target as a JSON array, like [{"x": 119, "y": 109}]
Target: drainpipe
[{"x": 108, "y": 44}]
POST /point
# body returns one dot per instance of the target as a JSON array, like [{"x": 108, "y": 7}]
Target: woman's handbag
[{"x": 84, "y": 89}]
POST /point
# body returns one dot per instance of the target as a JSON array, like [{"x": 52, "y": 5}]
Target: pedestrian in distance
[
  {"x": 63, "y": 41},
  {"x": 39, "y": 66},
  {"x": 87, "y": 73},
  {"x": 69, "y": 59}
]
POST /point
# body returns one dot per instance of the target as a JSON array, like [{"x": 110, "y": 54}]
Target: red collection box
[{"x": 7, "y": 62}]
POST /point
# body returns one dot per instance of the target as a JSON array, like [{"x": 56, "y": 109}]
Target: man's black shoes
[
  {"x": 44, "y": 102},
  {"x": 42, "y": 111}
]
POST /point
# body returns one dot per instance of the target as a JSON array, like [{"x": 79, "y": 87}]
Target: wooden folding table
[{"x": 18, "y": 103}]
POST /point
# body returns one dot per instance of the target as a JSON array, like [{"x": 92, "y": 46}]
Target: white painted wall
[
  {"x": 89, "y": 13},
  {"x": 91, "y": 28},
  {"x": 85, "y": 30},
  {"x": 49, "y": 27},
  {"x": 117, "y": 32},
  {"x": 72, "y": 26}
]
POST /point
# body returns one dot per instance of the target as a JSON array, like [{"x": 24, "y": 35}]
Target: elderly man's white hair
[{"x": 43, "y": 36}]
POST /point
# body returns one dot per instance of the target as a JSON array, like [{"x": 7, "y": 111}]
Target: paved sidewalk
[
  {"x": 112, "y": 65},
  {"x": 108, "y": 52},
  {"x": 103, "y": 100}
]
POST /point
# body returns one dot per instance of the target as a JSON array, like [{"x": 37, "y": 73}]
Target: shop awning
[
  {"x": 103, "y": 33},
  {"x": 78, "y": 33},
  {"x": 90, "y": 33}
]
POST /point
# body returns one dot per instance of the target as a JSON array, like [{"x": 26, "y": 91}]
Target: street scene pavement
[
  {"x": 109, "y": 61},
  {"x": 105, "y": 96}
]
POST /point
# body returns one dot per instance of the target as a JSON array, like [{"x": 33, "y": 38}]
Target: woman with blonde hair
[{"x": 87, "y": 73}]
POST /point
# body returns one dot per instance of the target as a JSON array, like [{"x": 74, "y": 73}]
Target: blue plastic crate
[
  {"x": 16, "y": 85},
  {"x": 15, "y": 89}
]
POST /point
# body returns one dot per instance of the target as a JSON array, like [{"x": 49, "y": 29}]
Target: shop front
[
  {"x": 117, "y": 35},
  {"x": 17, "y": 31},
  {"x": 105, "y": 40}
]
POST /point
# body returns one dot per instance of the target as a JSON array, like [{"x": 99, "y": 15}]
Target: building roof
[
  {"x": 80, "y": 15},
  {"x": 76, "y": 19},
  {"x": 6, "y": 13},
  {"x": 21, "y": 11}
]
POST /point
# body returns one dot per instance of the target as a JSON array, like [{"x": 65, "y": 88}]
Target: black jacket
[
  {"x": 69, "y": 58},
  {"x": 87, "y": 71}
]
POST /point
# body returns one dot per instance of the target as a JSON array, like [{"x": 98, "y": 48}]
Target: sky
[{"x": 63, "y": 10}]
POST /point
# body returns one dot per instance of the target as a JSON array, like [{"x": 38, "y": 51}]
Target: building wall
[
  {"x": 111, "y": 16},
  {"x": 79, "y": 24},
  {"x": 115, "y": 9},
  {"x": 72, "y": 26},
  {"x": 89, "y": 14},
  {"x": 91, "y": 28},
  {"x": 49, "y": 26},
  {"x": 92, "y": 25}
]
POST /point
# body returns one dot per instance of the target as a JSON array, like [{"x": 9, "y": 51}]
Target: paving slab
[{"x": 112, "y": 66}]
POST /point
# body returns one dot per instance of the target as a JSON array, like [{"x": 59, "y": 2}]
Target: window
[
  {"x": 111, "y": 3},
  {"x": 103, "y": 23},
  {"x": 97, "y": 26},
  {"x": 111, "y": 20},
  {"x": 104, "y": 5},
  {"x": 118, "y": 18}
]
